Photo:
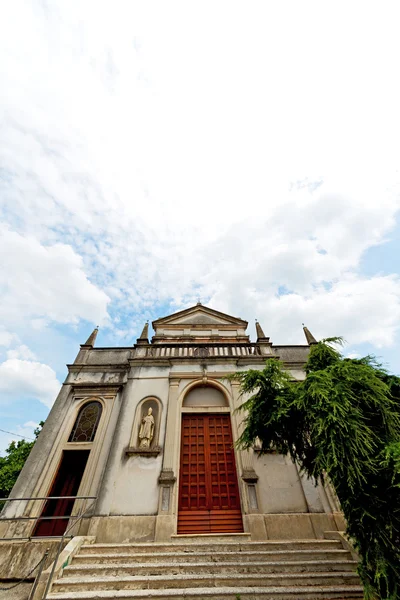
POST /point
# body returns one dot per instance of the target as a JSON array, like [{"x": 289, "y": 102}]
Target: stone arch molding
[
  {"x": 78, "y": 406},
  {"x": 144, "y": 440}
]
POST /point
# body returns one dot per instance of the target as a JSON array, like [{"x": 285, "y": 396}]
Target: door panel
[
  {"x": 66, "y": 483},
  {"x": 208, "y": 491}
]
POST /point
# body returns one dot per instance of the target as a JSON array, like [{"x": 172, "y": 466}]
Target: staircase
[{"x": 217, "y": 570}]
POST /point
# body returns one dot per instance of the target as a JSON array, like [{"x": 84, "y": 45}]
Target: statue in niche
[{"x": 146, "y": 431}]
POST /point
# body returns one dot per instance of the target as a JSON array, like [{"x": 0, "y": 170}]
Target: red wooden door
[
  {"x": 66, "y": 483},
  {"x": 208, "y": 489}
]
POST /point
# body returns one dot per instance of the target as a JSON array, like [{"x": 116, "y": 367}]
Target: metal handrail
[
  {"x": 63, "y": 537},
  {"x": 43, "y": 518},
  {"x": 50, "y": 498},
  {"x": 53, "y": 568}
]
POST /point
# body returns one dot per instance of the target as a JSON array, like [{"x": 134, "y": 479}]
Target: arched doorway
[
  {"x": 209, "y": 500},
  {"x": 70, "y": 471}
]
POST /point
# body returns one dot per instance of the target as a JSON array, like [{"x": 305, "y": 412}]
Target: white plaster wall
[
  {"x": 279, "y": 485},
  {"x": 134, "y": 486},
  {"x": 298, "y": 374}
]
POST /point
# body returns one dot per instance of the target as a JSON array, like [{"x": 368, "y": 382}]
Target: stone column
[
  {"x": 166, "y": 521},
  {"x": 246, "y": 457},
  {"x": 171, "y": 442},
  {"x": 253, "y": 521},
  {"x": 311, "y": 493},
  {"x": 106, "y": 485}
]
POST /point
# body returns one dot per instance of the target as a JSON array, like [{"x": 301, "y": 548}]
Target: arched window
[
  {"x": 86, "y": 423},
  {"x": 204, "y": 395}
]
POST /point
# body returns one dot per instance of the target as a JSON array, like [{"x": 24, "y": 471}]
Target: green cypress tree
[
  {"x": 11, "y": 464},
  {"x": 341, "y": 422}
]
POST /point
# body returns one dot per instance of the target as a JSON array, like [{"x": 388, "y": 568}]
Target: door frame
[
  {"x": 229, "y": 408},
  {"x": 68, "y": 452},
  {"x": 214, "y": 513},
  {"x": 91, "y": 476}
]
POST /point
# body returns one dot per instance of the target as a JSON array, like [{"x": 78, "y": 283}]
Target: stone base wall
[
  {"x": 123, "y": 529},
  {"x": 17, "y": 558},
  {"x": 292, "y": 526},
  {"x": 288, "y": 526}
]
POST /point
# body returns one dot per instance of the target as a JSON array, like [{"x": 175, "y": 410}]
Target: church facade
[{"x": 148, "y": 433}]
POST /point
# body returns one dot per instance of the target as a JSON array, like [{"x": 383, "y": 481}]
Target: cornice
[
  {"x": 85, "y": 367},
  {"x": 104, "y": 389}
]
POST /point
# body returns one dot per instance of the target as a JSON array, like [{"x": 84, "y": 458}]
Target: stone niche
[{"x": 146, "y": 429}]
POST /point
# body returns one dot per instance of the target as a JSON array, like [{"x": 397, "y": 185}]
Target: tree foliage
[
  {"x": 11, "y": 464},
  {"x": 341, "y": 422}
]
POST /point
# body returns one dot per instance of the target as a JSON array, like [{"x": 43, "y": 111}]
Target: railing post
[
  {"x": 37, "y": 578},
  {"x": 53, "y": 568}
]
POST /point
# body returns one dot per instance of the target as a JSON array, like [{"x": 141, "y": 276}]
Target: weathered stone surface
[
  {"x": 135, "y": 496},
  {"x": 215, "y": 569},
  {"x": 123, "y": 529},
  {"x": 17, "y": 558},
  {"x": 289, "y": 527}
]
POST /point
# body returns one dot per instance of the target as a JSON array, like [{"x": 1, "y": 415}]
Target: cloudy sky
[{"x": 153, "y": 153}]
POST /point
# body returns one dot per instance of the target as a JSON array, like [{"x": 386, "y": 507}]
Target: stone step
[
  {"x": 223, "y": 593},
  {"x": 168, "y": 582},
  {"x": 209, "y": 538},
  {"x": 177, "y": 557},
  {"x": 210, "y": 567},
  {"x": 151, "y": 548}
]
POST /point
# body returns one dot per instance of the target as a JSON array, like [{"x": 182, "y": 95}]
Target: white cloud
[
  {"x": 360, "y": 310},
  {"x": 178, "y": 161},
  {"x": 20, "y": 378},
  {"x": 6, "y": 338},
  {"x": 46, "y": 282},
  {"x": 31, "y": 424},
  {"x": 25, "y": 431},
  {"x": 22, "y": 352}
]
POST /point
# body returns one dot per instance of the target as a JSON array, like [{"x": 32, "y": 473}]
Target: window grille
[{"x": 86, "y": 423}]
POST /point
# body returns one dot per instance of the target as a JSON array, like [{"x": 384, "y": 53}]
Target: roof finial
[
  {"x": 198, "y": 301},
  {"x": 145, "y": 332},
  {"x": 92, "y": 337},
  {"x": 309, "y": 336},
  {"x": 259, "y": 330}
]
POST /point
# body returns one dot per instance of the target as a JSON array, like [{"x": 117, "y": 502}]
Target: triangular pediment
[{"x": 200, "y": 315}]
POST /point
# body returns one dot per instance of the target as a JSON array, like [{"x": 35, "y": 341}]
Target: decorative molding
[
  {"x": 215, "y": 317},
  {"x": 109, "y": 367},
  {"x": 80, "y": 390},
  {"x": 167, "y": 477},
  {"x": 198, "y": 374},
  {"x": 206, "y": 409},
  {"x": 149, "y": 452},
  {"x": 143, "y": 361}
]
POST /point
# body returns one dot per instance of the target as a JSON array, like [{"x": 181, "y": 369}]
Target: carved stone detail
[
  {"x": 167, "y": 477},
  {"x": 249, "y": 476},
  {"x": 146, "y": 430},
  {"x": 201, "y": 352}
]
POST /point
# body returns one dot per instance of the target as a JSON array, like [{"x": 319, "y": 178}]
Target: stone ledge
[
  {"x": 167, "y": 477},
  {"x": 249, "y": 476},
  {"x": 149, "y": 452}
]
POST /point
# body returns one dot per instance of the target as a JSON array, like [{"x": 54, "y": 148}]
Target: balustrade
[{"x": 171, "y": 351}]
